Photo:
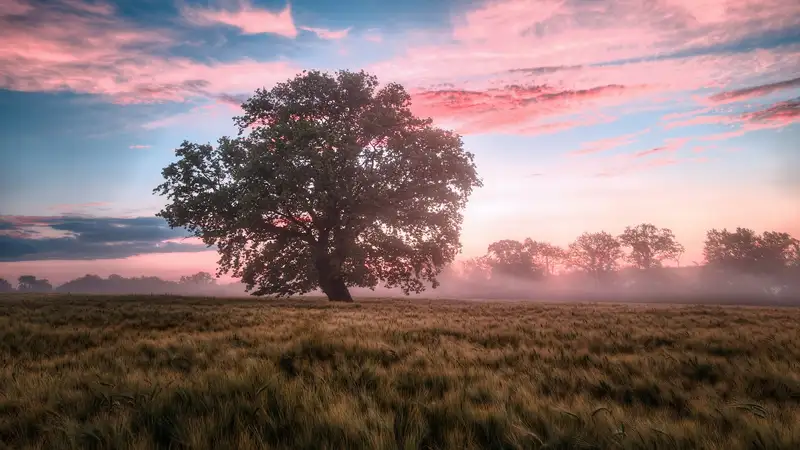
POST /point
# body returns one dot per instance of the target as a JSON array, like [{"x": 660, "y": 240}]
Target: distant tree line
[
  {"x": 641, "y": 252},
  {"x": 639, "y": 255},
  {"x": 199, "y": 283}
]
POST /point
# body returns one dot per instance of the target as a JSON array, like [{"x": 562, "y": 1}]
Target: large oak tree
[{"x": 332, "y": 182}]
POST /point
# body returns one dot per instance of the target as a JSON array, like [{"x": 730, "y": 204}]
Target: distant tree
[
  {"x": 29, "y": 283},
  {"x": 478, "y": 268},
  {"x": 5, "y": 286},
  {"x": 331, "y": 183},
  {"x": 778, "y": 251},
  {"x": 793, "y": 256},
  {"x": 512, "y": 258},
  {"x": 199, "y": 279},
  {"x": 746, "y": 251},
  {"x": 724, "y": 249},
  {"x": 86, "y": 284},
  {"x": 545, "y": 255},
  {"x": 793, "y": 273},
  {"x": 648, "y": 246},
  {"x": 597, "y": 254}
]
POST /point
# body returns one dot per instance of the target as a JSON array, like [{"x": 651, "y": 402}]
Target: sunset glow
[{"x": 582, "y": 115}]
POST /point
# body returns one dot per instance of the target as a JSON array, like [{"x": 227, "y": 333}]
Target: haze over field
[{"x": 582, "y": 116}]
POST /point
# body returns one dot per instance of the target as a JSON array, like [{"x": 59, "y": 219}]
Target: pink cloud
[
  {"x": 779, "y": 114},
  {"x": 515, "y": 108},
  {"x": 99, "y": 7},
  {"x": 701, "y": 148},
  {"x": 700, "y": 120},
  {"x": 602, "y": 145},
  {"x": 567, "y": 46},
  {"x": 514, "y": 34},
  {"x": 15, "y": 8},
  {"x": 60, "y": 47},
  {"x": 373, "y": 35},
  {"x": 776, "y": 116},
  {"x": 671, "y": 145},
  {"x": 248, "y": 19},
  {"x": 754, "y": 91},
  {"x": 538, "y": 128},
  {"x": 139, "y": 146},
  {"x": 324, "y": 33}
]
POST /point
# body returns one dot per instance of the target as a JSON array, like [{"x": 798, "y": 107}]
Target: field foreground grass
[{"x": 190, "y": 373}]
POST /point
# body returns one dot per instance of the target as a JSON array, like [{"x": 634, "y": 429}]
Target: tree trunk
[
  {"x": 331, "y": 281},
  {"x": 336, "y": 290}
]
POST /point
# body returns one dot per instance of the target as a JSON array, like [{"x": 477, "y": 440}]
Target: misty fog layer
[
  {"x": 741, "y": 266},
  {"x": 670, "y": 285}
]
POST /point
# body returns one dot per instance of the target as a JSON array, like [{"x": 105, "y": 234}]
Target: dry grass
[{"x": 163, "y": 372}]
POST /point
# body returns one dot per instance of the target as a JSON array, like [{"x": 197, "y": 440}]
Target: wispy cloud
[
  {"x": 12, "y": 8},
  {"x": 245, "y": 17},
  {"x": 700, "y": 120},
  {"x": 602, "y": 145},
  {"x": 373, "y": 35},
  {"x": 80, "y": 237},
  {"x": 58, "y": 46},
  {"x": 754, "y": 91},
  {"x": 514, "y": 107},
  {"x": 588, "y": 48},
  {"x": 324, "y": 33},
  {"x": 779, "y": 114},
  {"x": 671, "y": 145},
  {"x": 139, "y": 146},
  {"x": 99, "y": 8}
]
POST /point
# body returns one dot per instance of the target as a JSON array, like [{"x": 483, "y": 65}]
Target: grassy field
[{"x": 159, "y": 372}]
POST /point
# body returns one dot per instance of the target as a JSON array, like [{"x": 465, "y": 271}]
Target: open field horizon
[{"x": 146, "y": 372}]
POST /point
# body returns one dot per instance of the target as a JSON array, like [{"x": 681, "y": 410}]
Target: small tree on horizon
[
  {"x": 746, "y": 251},
  {"x": 331, "y": 183},
  {"x": 649, "y": 246},
  {"x": 546, "y": 255},
  {"x": 597, "y": 254},
  {"x": 29, "y": 283},
  {"x": 199, "y": 279},
  {"x": 5, "y": 286},
  {"x": 512, "y": 258}
]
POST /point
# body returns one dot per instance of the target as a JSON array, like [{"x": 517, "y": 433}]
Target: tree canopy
[
  {"x": 199, "y": 279},
  {"x": 332, "y": 182},
  {"x": 744, "y": 250},
  {"x": 595, "y": 253},
  {"x": 649, "y": 246},
  {"x": 512, "y": 258},
  {"x": 545, "y": 255},
  {"x": 29, "y": 283}
]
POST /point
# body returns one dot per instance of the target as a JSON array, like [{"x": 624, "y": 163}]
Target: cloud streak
[
  {"x": 658, "y": 48},
  {"x": 603, "y": 145},
  {"x": 246, "y": 18},
  {"x": 59, "y": 46},
  {"x": 515, "y": 108},
  {"x": 24, "y": 238},
  {"x": 331, "y": 35},
  {"x": 779, "y": 114},
  {"x": 754, "y": 91}
]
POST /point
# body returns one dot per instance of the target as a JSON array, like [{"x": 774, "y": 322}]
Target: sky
[{"x": 583, "y": 115}]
